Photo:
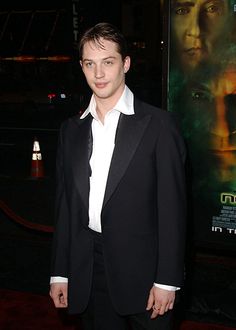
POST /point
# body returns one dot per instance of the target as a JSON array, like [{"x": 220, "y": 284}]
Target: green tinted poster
[{"x": 202, "y": 92}]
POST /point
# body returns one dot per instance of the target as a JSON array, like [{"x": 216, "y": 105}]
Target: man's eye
[
  {"x": 182, "y": 11},
  {"x": 108, "y": 62},
  {"x": 88, "y": 64},
  {"x": 199, "y": 96},
  {"x": 213, "y": 9}
]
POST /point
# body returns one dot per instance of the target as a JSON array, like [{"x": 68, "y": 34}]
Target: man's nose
[
  {"x": 99, "y": 71},
  {"x": 193, "y": 28}
]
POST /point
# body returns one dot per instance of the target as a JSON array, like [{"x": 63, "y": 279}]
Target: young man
[{"x": 118, "y": 252}]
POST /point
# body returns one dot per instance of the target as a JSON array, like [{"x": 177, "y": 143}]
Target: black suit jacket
[{"x": 143, "y": 213}]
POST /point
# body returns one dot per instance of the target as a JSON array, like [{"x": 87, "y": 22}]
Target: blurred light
[
  {"x": 139, "y": 44},
  {"x": 23, "y": 58},
  {"x": 59, "y": 58},
  {"x": 51, "y": 96},
  {"x": 27, "y": 58}
]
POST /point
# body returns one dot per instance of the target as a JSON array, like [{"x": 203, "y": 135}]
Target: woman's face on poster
[{"x": 196, "y": 27}]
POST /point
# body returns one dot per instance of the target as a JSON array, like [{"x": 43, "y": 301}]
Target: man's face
[
  {"x": 196, "y": 26},
  {"x": 213, "y": 104},
  {"x": 104, "y": 69},
  {"x": 212, "y": 113}
]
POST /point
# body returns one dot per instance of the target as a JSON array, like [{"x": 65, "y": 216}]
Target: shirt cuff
[
  {"x": 166, "y": 287},
  {"x": 58, "y": 279}
]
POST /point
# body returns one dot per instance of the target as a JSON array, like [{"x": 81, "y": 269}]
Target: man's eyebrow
[
  {"x": 199, "y": 86},
  {"x": 192, "y": 4},
  {"x": 109, "y": 57},
  {"x": 215, "y": 1},
  {"x": 86, "y": 60},
  {"x": 183, "y": 4},
  {"x": 103, "y": 59}
]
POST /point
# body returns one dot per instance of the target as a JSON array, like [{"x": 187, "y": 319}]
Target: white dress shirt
[{"x": 103, "y": 147}]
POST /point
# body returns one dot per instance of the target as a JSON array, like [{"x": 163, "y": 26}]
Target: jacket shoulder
[
  {"x": 73, "y": 121},
  {"x": 160, "y": 118},
  {"x": 158, "y": 113}
]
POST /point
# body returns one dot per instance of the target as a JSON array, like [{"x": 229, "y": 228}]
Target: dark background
[{"x": 36, "y": 94}]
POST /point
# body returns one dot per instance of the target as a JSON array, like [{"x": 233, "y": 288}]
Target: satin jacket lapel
[
  {"x": 129, "y": 133},
  {"x": 81, "y": 155}
]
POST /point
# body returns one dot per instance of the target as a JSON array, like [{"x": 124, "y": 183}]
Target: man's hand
[
  {"x": 160, "y": 301},
  {"x": 58, "y": 293}
]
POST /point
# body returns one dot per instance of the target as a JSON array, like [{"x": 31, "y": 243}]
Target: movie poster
[{"x": 202, "y": 93}]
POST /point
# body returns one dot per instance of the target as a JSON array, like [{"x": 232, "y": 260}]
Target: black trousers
[{"x": 100, "y": 314}]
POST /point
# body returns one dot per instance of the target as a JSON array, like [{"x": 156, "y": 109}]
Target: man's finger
[
  {"x": 150, "y": 301},
  {"x": 155, "y": 312},
  {"x": 63, "y": 300},
  {"x": 171, "y": 306}
]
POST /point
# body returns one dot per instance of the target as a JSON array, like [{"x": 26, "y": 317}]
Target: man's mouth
[
  {"x": 194, "y": 52},
  {"x": 100, "y": 85}
]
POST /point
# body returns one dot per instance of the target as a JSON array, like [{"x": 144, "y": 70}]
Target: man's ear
[
  {"x": 127, "y": 62},
  {"x": 81, "y": 63}
]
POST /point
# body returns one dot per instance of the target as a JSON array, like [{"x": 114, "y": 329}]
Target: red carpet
[{"x": 26, "y": 311}]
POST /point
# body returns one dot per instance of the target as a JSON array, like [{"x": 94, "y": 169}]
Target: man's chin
[{"x": 190, "y": 60}]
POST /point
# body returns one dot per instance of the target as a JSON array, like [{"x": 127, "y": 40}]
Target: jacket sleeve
[
  {"x": 171, "y": 203},
  {"x": 59, "y": 260}
]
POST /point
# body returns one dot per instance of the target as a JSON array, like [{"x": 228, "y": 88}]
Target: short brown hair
[{"x": 105, "y": 31}]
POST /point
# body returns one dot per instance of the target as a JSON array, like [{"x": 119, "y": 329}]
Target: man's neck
[
  {"x": 103, "y": 106},
  {"x": 102, "y": 109}
]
